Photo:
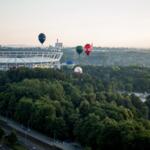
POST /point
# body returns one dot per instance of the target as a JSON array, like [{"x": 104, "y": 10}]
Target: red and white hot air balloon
[{"x": 88, "y": 49}]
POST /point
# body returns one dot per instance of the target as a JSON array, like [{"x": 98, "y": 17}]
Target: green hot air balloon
[{"x": 79, "y": 49}]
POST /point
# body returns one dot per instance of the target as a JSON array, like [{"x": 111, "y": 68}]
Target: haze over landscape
[
  {"x": 90, "y": 90},
  {"x": 111, "y": 23}
]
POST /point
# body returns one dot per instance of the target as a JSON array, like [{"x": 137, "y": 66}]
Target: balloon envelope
[
  {"x": 69, "y": 62},
  {"x": 88, "y": 48},
  {"x": 42, "y": 38},
  {"x": 78, "y": 70},
  {"x": 79, "y": 49}
]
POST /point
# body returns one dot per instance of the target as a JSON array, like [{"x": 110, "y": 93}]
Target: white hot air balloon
[{"x": 78, "y": 70}]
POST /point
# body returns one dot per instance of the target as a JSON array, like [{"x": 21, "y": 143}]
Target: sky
[{"x": 109, "y": 23}]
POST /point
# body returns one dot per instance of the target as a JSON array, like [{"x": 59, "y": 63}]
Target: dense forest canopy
[{"x": 87, "y": 108}]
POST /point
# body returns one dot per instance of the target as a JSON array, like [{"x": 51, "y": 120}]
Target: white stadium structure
[{"x": 31, "y": 57}]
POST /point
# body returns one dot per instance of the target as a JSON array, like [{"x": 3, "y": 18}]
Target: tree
[
  {"x": 56, "y": 91},
  {"x": 1, "y": 133},
  {"x": 24, "y": 110},
  {"x": 11, "y": 139}
]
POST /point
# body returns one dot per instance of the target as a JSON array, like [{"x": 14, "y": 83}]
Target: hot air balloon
[
  {"x": 78, "y": 70},
  {"x": 79, "y": 49},
  {"x": 88, "y": 48},
  {"x": 42, "y": 38},
  {"x": 69, "y": 62}
]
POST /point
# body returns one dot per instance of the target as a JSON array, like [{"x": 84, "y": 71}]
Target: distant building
[
  {"x": 31, "y": 57},
  {"x": 58, "y": 45}
]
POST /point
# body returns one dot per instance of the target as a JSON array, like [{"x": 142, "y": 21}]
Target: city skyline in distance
[{"x": 104, "y": 23}]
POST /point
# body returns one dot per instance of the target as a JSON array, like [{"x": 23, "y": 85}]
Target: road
[
  {"x": 39, "y": 137},
  {"x": 29, "y": 143}
]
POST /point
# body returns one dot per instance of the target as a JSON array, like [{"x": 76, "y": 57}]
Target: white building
[{"x": 31, "y": 57}]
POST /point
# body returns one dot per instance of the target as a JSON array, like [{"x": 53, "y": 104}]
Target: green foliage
[
  {"x": 18, "y": 147},
  {"x": 93, "y": 109},
  {"x": 1, "y": 133},
  {"x": 11, "y": 139},
  {"x": 24, "y": 109}
]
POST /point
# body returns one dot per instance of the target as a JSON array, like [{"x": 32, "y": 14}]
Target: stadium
[{"x": 31, "y": 57}]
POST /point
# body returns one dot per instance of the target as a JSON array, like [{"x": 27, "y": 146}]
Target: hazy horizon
[{"x": 104, "y": 23}]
